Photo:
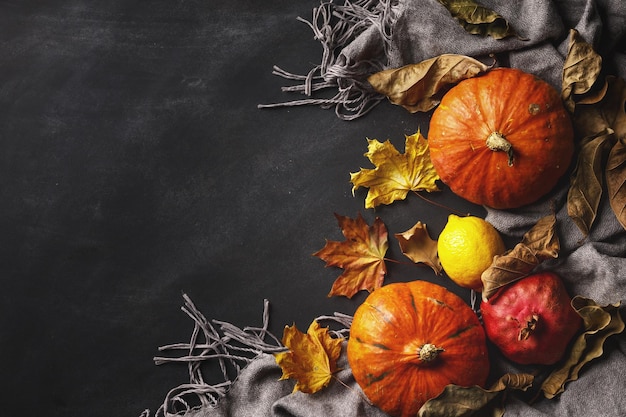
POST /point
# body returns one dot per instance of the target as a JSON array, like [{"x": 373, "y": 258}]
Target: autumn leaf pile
[
  {"x": 599, "y": 114},
  {"x": 597, "y": 106}
]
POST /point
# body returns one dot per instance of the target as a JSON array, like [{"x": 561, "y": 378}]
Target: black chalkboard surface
[{"x": 136, "y": 166}]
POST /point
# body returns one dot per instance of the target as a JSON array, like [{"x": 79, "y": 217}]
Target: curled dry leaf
[
  {"x": 604, "y": 126},
  {"x": 616, "y": 180},
  {"x": 608, "y": 113},
  {"x": 479, "y": 20},
  {"x": 542, "y": 238},
  {"x": 585, "y": 192},
  {"x": 538, "y": 244},
  {"x": 361, "y": 255},
  {"x": 311, "y": 359},
  {"x": 396, "y": 174},
  {"x": 417, "y": 245},
  {"x": 580, "y": 71},
  {"x": 419, "y": 87},
  {"x": 599, "y": 115},
  {"x": 616, "y": 164},
  {"x": 599, "y": 324},
  {"x": 456, "y": 401}
]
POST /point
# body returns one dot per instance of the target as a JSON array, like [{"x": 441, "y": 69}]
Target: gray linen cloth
[
  {"x": 397, "y": 33},
  {"x": 361, "y": 37}
]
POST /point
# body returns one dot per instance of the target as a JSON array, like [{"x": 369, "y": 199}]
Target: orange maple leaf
[
  {"x": 361, "y": 255},
  {"x": 311, "y": 359}
]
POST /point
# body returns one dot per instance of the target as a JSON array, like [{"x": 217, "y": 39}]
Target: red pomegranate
[{"x": 531, "y": 320}]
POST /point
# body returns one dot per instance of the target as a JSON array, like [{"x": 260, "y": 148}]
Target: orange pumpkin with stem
[
  {"x": 409, "y": 340},
  {"x": 502, "y": 139}
]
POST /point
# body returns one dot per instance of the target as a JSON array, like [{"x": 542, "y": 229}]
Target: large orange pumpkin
[
  {"x": 409, "y": 340},
  {"x": 502, "y": 139}
]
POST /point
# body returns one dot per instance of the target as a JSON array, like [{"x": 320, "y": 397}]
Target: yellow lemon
[{"x": 466, "y": 248}]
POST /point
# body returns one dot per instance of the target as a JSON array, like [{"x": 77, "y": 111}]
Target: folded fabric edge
[
  {"x": 233, "y": 348},
  {"x": 335, "y": 27}
]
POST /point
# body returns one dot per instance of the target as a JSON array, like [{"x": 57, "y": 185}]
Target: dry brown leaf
[
  {"x": 417, "y": 245},
  {"x": 538, "y": 244},
  {"x": 542, "y": 238},
  {"x": 616, "y": 180},
  {"x": 585, "y": 192},
  {"x": 419, "y": 87},
  {"x": 609, "y": 113},
  {"x": 311, "y": 359},
  {"x": 456, "y": 401},
  {"x": 479, "y": 20},
  {"x": 580, "y": 71},
  {"x": 361, "y": 255},
  {"x": 599, "y": 324},
  {"x": 604, "y": 121},
  {"x": 396, "y": 174},
  {"x": 616, "y": 164}
]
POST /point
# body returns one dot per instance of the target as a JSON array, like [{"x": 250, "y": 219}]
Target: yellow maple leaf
[
  {"x": 396, "y": 174},
  {"x": 361, "y": 255},
  {"x": 311, "y": 359}
]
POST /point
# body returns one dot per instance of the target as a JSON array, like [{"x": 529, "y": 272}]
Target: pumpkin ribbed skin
[
  {"x": 389, "y": 329},
  {"x": 527, "y": 112}
]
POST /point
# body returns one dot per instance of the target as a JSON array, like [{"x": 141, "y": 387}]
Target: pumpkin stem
[
  {"x": 429, "y": 352},
  {"x": 497, "y": 142},
  {"x": 531, "y": 324}
]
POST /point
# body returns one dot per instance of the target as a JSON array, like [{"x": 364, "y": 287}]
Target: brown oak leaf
[
  {"x": 396, "y": 174},
  {"x": 361, "y": 255},
  {"x": 311, "y": 359},
  {"x": 417, "y": 245}
]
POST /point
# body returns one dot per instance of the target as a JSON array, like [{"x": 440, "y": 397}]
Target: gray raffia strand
[
  {"x": 336, "y": 26},
  {"x": 228, "y": 345}
]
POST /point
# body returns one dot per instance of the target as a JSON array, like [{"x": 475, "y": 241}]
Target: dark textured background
[{"x": 135, "y": 166}]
